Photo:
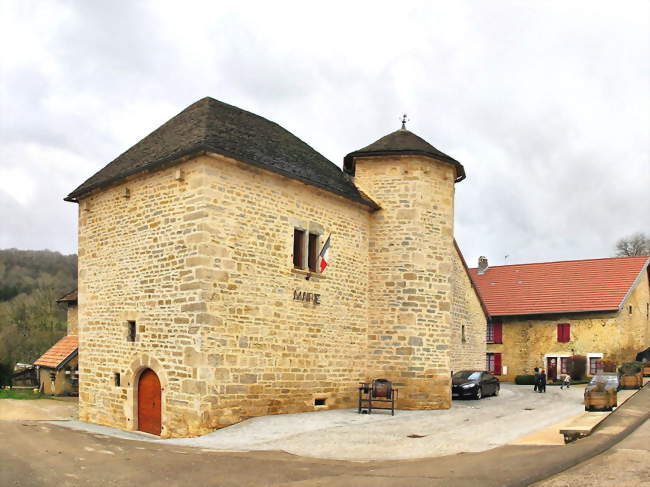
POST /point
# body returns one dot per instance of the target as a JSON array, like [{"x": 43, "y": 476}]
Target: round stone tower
[{"x": 410, "y": 254}]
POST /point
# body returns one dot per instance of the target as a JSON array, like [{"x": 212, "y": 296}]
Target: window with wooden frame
[
  {"x": 564, "y": 365},
  {"x": 298, "y": 248},
  {"x": 564, "y": 332},
  {"x": 494, "y": 331},
  {"x": 493, "y": 363},
  {"x": 595, "y": 365}
]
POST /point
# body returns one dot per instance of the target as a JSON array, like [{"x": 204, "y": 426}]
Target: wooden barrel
[
  {"x": 598, "y": 400},
  {"x": 632, "y": 381}
]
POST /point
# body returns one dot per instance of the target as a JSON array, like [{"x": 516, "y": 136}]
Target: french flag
[{"x": 324, "y": 254}]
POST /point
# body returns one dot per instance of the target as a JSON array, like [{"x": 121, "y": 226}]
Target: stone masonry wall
[
  {"x": 411, "y": 240},
  {"x": 468, "y": 321},
  {"x": 72, "y": 318},
  {"x": 200, "y": 257},
  {"x": 618, "y": 336},
  {"x": 265, "y": 352}
]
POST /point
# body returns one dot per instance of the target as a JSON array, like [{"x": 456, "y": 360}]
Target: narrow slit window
[
  {"x": 132, "y": 331},
  {"x": 463, "y": 338},
  {"x": 117, "y": 379},
  {"x": 313, "y": 252},
  {"x": 298, "y": 248}
]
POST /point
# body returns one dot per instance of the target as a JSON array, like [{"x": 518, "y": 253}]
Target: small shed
[{"x": 58, "y": 368}]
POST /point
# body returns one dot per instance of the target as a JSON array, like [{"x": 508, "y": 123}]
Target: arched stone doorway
[{"x": 149, "y": 403}]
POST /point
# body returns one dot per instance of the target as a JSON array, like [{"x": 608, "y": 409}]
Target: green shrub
[
  {"x": 631, "y": 368},
  {"x": 577, "y": 366},
  {"x": 525, "y": 380}
]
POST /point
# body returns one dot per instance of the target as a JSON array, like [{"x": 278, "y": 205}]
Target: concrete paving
[
  {"x": 469, "y": 426},
  {"x": 627, "y": 464},
  {"x": 35, "y": 454},
  {"x": 38, "y": 409}
]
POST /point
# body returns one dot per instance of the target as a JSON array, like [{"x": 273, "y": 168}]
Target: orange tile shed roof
[
  {"x": 559, "y": 287},
  {"x": 60, "y": 351}
]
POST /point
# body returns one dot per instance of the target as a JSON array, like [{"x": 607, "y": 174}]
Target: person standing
[
  {"x": 536, "y": 386},
  {"x": 542, "y": 381}
]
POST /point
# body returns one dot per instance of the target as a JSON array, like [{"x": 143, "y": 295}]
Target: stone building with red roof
[
  {"x": 541, "y": 314},
  {"x": 58, "y": 367}
]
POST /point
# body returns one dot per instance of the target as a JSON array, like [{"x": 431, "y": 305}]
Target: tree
[{"x": 637, "y": 244}]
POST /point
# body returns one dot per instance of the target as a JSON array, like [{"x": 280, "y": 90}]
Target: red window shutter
[
  {"x": 563, "y": 332},
  {"x": 497, "y": 364},
  {"x": 498, "y": 331}
]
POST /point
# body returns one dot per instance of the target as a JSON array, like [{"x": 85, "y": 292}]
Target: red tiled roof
[
  {"x": 558, "y": 287},
  {"x": 71, "y": 296},
  {"x": 60, "y": 351}
]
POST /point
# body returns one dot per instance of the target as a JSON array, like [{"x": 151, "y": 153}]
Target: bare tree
[{"x": 637, "y": 244}]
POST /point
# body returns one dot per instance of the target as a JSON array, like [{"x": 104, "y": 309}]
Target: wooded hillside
[{"x": 30, "y": 319}]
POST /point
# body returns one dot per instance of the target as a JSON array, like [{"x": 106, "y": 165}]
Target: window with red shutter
[
  {"x": 498, "y": 331},
  {"x": 563, "y": 332},
  {"x": 497, "y": 364},
  {"x": 493, "y": 363}
]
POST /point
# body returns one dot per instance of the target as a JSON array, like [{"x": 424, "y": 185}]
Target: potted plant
[{"x": 631, "y": 377}]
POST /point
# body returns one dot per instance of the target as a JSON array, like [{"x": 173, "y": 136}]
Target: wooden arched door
[{"x": 149, "y": 399}]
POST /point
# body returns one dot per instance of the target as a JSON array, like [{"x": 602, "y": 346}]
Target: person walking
[
  {"x": 536, "y": 386},
  {"x": 566, "y": 381},
  {"x": 542, "y": 381}
]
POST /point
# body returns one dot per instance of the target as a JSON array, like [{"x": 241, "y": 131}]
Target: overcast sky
[{"x": 545, "y": 103}]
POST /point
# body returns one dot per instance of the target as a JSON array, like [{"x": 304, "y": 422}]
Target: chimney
[{"x": 482, "y": 264}]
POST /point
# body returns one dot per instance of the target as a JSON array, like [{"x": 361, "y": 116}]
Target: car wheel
[
  {"x": 496, "y": 391},
  {"x": 479, "y": 394}
]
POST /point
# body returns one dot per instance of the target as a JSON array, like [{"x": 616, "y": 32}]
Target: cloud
[{"x": 545, "y": 104}]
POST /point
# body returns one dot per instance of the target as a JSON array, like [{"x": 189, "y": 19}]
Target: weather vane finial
[{"x": 404, "y": 120}]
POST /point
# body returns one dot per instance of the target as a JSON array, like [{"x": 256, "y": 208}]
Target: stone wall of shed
[
  {"x": 62, "y": 382},
  {"x": 72, "y": 318},
  {"x": 201, "y": 259},
  {"x": 410, "y": 262},
  {"x": 618, "y": 336},
  {"x": 468, "y": 348}
]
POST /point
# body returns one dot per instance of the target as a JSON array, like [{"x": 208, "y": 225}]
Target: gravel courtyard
[{"x": 469, "y": 426}]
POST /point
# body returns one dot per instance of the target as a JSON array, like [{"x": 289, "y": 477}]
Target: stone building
[
  {"x": 57, "y": 368},
  {"x": 201, "y": 300},
  {"x": 541, "y": 314}
]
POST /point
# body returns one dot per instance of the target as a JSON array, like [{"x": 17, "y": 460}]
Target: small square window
[{"x": 132, "y": 331}]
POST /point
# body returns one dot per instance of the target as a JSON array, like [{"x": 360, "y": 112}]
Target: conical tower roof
[{"x": 402, "y": 142}]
